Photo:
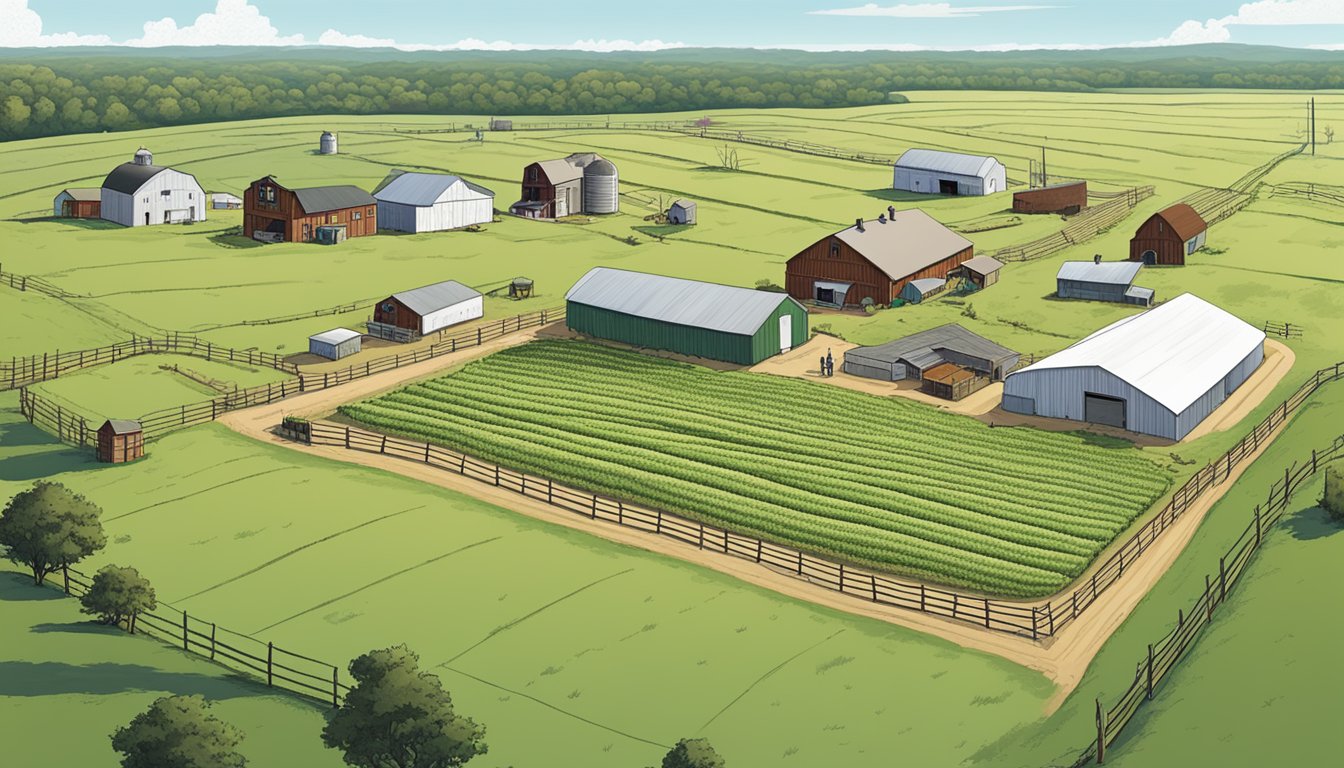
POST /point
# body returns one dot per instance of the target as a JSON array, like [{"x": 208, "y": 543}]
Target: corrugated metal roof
[
  {"x": 726, "y": 308},
  {"x": 122, "y": 426},
  {"x": 128, "y": 178},
  {"x": 335, "y": 336},
  {"x": 1174, "y": 352},
  {"x": 560, "y": 171},
  {"x": 1140, "y": 293},
  {"x": 1183, "y": 220},
  {"x": 909, "y": 241},
  {"x": 432, "y": 298},
  {"x": 83, "y": 194},
  {"x": 1108, "y": 272},
  {"x": 928, "y": 285},
  {"x": 920, "y": 346},
  {"x": 946, "y": 162},
  {"x": 333, "y": 198},
  {"x": 423, "y": 189},
  {"x": 683, "y": 203},
  {"x": 225, "y": 196},
  {"x": 983, "y": 265}
]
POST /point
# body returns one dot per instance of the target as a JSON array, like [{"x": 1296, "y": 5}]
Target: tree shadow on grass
[
  {"x": 48, "y": 678},
  {"x": 89, "y": 627},
  {"x": 1312, "y": 523},
  {"x": 19, "y": 588},
  {"x": 35, "y": 466}
]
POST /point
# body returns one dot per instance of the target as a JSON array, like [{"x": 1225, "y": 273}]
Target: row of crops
[{"x": 883, "y": 482}]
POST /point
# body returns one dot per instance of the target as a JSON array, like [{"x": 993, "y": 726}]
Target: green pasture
[
  {"x": 561, "y": 643},
  {"x": 67, "y": 683}
]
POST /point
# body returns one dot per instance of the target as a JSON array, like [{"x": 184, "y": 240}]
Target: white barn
[
  {"x": 140, "y": 193},
  {"x": 432, "y": 202},
  {"x": 932, "y": 172},
  {"x": 1160, "y": 372}
]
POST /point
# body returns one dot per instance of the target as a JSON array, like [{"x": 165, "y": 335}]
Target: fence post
[
  {"x": 923, "y": 599},
  {"x": 335, "y": 687},
  {"x": 347, "y": 436},
  {"x": 1101, "y": 734},
  {"x": 658, "y": 527},
  {"x": 270, "y": 664},
  {"x": 701, "y": 543},
  {"x": 1257, "y": 525},
  {"x": 65, "y": 571},
  {"x": 1035, "y": 635},
  {"x": 212, "y": 641},
  {"x": 185, "y": 645},
  {"x": 1150, "y": 671},
  {"x": 550, "y": 491},
  {"x": 496, "y": 474},
  {"x": 800, "y": 562},
  {"x": 986, "y": 613},
  {"x": 872, "y": 582},
  {"x": 1208, "y": 599},
  {"x": 1050, "y": 615},
  {"x": 842, "y": 577},
  {"x": 759, "y": 544}
]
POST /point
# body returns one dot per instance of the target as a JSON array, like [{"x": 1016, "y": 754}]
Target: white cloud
[
  {"x": 927, "y": 10},
  {"x": 21, "y": 27},
  {"x": 334, "y": 37},
  {"x": 1193, "y": 33},
  {"x": 234, "y": 22},
  {"x": 1262, "y": 13}
]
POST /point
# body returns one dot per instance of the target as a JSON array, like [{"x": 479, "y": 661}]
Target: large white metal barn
[
  {"x": 933, "y": 172},
  {"x": 140, "y": 193},
  {"x": 1160, "y": 372},
  {"x": 432, "y": 202}
]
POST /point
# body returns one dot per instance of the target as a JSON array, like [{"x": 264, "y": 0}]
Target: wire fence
[
  {"x": 1080, "y": 228},
  {"x": 76, "y": 429},
  {"x": 23, "y": 371},
  {"x": 1036, "y": 621},
  {"x": 263, "y": 661},
  {"x": 1162, "y": 656}
]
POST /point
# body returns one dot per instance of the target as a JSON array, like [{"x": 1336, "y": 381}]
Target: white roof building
[
  {"x": 1160, "y": 372},
  {"x": 139, "y": 193},
  {"x": 934, "y": 172},
  {"x": 432, "y": 202}
]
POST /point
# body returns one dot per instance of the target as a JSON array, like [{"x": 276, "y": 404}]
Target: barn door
[
  {"x": 785, "y": 333},
  {"x": 1100, "y": 409}
]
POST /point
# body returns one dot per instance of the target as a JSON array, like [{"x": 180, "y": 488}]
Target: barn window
[
  {"x": 165, "y": 192},
  {"x": 270, "y": 194},
  {"x": 1161, "y": 226},
  {"x": 358, "y": 215},
  {"x": 835, "y": 249},
  {"x": 370, "y": 211},
  {"x": 532, "y": 174},
  {"x": 261, "y": 194}
]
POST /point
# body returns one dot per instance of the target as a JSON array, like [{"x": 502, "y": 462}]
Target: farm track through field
[{"x": 1064, "y": 658}]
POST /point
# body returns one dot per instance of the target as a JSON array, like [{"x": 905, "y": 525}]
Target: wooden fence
[
  {"x": 1301, "y": 190},
  {"x": 1161, "y": 657},
  {"x": 76, "y": 429},
  {"x": 33, "y": 283},
  {"x": 1283, "y": 330},
  {"x": 1081, "y": 227},
  {"x": 279, "y": 668},
  {"x": 1035, "y": 621},
  {"x": 22, "y": 371}
]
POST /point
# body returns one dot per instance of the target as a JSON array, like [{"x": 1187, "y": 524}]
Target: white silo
[
  {"x": 143, "y": 157},
  {"x": 328, "y": 144},
  {"x": 601, "y": 187}
]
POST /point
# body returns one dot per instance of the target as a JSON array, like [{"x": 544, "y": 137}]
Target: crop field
[{"x": 882, "y": 482}]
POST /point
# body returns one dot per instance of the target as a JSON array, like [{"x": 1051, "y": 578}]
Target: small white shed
[
  {"x": 335, "y": 344},
  {"x": 225, "y": 201},
  {"x": 432, "y": 202}
]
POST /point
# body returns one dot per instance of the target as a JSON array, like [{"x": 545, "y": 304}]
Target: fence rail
[
  {"x": 1080, "y": 228},
  {"x": 1036, "y": 621},
  {"x": 279, "y": 668},
  {"x": 34, "y": 283},
  {"x": 1162, "y": 657},
  {"x": 24, "y": 371},
  {"x": 1283, "y": 330}
]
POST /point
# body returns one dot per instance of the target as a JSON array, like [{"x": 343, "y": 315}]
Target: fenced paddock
[
  {"x": 1081, "y": 227},
  {"x": 1162, "y": 656}
]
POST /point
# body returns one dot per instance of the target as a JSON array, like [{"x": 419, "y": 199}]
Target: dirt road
[{"x": 1063, "y": 658}]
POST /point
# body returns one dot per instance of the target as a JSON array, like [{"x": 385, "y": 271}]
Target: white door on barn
[{"x": 785, "y": 333}]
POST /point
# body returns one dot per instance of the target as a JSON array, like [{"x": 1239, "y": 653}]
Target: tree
[
  {"x": 397, "y": 716},
  {"x": 178, "y": 732},
  {"x": 117, "y": 595},
  {"x": 1333, "y": 499},
  {"x": 48, "y": 527},
  {"x": 693, "y": 753}
]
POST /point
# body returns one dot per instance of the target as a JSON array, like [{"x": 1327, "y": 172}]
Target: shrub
[
  {"x": 769, "y": 285},
  {"x": 969, "y": 311},
  {"x": 693, "y": 753},
  {"x": 178, "y": 732},
  {"x": 117, "y": 595},
  {"x": 1333, "y": 499}
]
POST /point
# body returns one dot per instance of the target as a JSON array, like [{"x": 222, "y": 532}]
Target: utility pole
[
  {"x": 1045, "y": 176},
  {"x": 1313, "y": 125}
]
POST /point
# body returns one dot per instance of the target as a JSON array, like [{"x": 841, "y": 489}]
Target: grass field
[
  {"x": 880, "y": 481},
  {"x": 567, "y": 644},
  {"x": 66, "y": 684}
]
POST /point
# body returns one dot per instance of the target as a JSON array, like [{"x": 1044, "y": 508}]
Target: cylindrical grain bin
[
  {"x": 601, "y": 187},
  {"x": 327, "y": 146}
]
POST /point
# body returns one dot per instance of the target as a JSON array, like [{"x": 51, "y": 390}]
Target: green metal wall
[{"x": 685, "y": 340}]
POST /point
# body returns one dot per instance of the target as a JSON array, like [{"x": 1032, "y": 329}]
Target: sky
[{"x": 641, "y": 25}]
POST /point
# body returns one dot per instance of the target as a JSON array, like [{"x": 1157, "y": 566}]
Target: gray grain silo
[
  {"x": 601, "y": 187},
  {"x": 328, "y": 143}
]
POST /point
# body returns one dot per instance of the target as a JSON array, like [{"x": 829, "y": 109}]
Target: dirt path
[{"x": 1063, "y": 658}]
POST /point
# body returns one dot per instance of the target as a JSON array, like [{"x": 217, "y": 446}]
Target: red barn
[
  {"x": 1059, "y": 198},
  {"x": 272, "y": 213},
  {"x": 1168, "y": 236},
  {"x": 875, "y": 259},
  {"x": 120, "y": 441},
  {"x": 78, "y": 203}
]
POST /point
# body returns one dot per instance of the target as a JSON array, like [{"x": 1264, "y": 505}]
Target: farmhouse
[
  {"x": 78, "y": 203},
  {"x": 681, "y": 211},
  {"x": 719, "y": 322},
  {"x": 275, "y": 214},
  {"x": 1168, "y": 236},
  {"x": 1160, "y": 372},
  {"x": 1097, "y": 280},
  {"x": 584, "y": 182},
  {"x": 140, "y": 193},
  {"x": 432, "y": 202},
  {"x": 875, "y": 259},
  {"x": 930, "y": 171},
  {"x": 120, "y": 441},
  {"x": 411, "y": 314},
  {"x": 1056, "y": 198},
  {"x": 335, "y": 344},
  {"x": 225, "y": 201},
  {"x": 981, "y": 271},
  {"x": 950, "y": 361}
]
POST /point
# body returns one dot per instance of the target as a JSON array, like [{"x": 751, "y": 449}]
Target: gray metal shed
[
  {"x": 335, "y": 344},
  {"x": 910, "y": 356},
  {"x": 681, "y": 211},
  {"x": 1102, "y": 281}
]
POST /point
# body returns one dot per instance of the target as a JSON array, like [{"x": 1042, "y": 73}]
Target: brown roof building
[
  {"x": 1168, "y": 236},
  {"x": 875, "y": 259},
  {"x": 1057, "y": 198},
  {"x": 274, "y": 213}
]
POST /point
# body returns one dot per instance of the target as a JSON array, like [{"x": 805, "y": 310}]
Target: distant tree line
[{"x": 81, "y": 93}]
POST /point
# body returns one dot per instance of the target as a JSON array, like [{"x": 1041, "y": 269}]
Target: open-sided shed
[{"x": 916, "y": 355}]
